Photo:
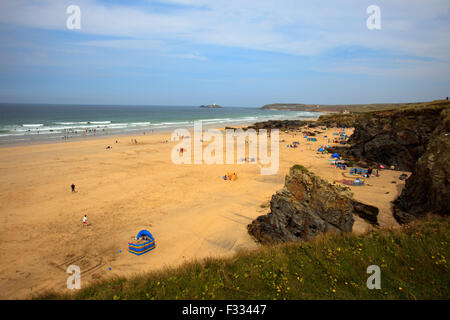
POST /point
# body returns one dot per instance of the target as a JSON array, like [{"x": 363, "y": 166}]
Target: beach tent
[
  {"x": 140, "y": 247},
  {"x": 320, "y": 150},
  {"x": 335, "y": 155}
]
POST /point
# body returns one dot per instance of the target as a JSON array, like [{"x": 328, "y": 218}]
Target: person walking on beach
[
  {"x": 85, "y": 223},
  {"x": 73, "y": 188}
]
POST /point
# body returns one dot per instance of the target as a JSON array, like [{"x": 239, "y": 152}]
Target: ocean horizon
[{"x": 28, "y": 123}]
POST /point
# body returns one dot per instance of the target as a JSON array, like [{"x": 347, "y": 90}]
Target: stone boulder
[
  {"x": 365, "y": 211},
  {"x": 305, "y": 207}
]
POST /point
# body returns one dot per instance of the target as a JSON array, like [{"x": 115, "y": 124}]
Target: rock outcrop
[
  {"x": 305, "y": 207},
  {"x": 211, "y": 106},
  {"x": 337, "y": 120},
  {"x": 428, "y": 187},
  {"x": 395, "y": 137},
  {"x": 366, "y": 211},
  {"x": 329, "y": 120},
  {"x": 280, "y": 124}
]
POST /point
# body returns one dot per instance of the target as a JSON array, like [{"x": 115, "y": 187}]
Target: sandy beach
[{"x": 191, "y": 211}]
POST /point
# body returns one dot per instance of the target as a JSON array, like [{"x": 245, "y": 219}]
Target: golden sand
[{"x": 190, "y": 210}]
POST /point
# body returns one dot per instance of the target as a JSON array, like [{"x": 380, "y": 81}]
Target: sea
[{"x": 35, "y": 123}]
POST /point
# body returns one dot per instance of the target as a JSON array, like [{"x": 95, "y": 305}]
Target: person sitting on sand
[
  {"x": 144, "y": 237},
  {"x": 85, "y": 223},
  {"x": 73, "y": 187}
]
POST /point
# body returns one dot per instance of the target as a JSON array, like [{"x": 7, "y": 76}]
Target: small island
[{"x": 211, "y": 106}]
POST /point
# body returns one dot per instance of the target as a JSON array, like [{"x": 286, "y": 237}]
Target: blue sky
[{"x": 231, "y": 52}]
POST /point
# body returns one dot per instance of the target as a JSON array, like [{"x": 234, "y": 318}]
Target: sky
[{"x": 231, "y": 52}]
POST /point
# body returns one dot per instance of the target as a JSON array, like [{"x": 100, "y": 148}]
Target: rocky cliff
[
  {"x": 395, "y": 137},
  {"x": 305, "y": 207},
  {"x": 428, "y": 188}
]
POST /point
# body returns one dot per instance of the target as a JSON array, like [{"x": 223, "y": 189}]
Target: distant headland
[
  {"x": 349, "y": 108},
  {"x": 211, "y": 106}
]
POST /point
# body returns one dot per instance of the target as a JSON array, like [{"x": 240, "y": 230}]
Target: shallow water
[{"x": 23, "y": 123}]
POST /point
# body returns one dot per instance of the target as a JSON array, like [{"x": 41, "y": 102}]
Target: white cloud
[{"x": 409, "y": 27}]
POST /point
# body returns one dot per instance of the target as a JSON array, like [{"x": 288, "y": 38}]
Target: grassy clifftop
[
  {"x": 353, "y": 108},
  {"x": 412, "y": 261}
]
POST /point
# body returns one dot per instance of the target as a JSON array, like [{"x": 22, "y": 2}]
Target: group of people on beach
[{"x": 230, "y": 176}]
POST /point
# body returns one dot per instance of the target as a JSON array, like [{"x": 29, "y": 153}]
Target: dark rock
[
  {"x": 306, "y": 206},
  {"x": 330, "y": 120},
  {"x": 427, "y": 189},
  {"x": 394, "y": 137},
  {"x": 279, "y": 124},
  {"x": 365, "y": 211},
  {"x": 211, "y": 106}
]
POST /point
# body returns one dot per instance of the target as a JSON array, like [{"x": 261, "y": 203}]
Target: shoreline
[{"x": 122, "y": 134}]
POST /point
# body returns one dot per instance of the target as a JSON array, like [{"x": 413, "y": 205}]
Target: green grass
[
  {"x": 299, "y": 167},
  {"x": 412, "y": 261}
]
